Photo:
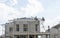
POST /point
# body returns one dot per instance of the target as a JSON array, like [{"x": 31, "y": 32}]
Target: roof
[
  {"x": 57, "y": 26},
  {"x": 26, "y": 18}
]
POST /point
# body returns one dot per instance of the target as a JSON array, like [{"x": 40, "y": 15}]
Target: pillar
[
  {"x": 13, "y": 36},
  {"x": 46, "y": 36},
  {"x": 28, "y": 36},
  {"x": 49, "y": 35},
  {"x": 35, "y": 36}
]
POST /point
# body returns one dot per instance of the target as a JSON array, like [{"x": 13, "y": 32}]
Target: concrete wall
[
  {"x": 31, "y": 27},
  {"x": 54, "y": 33}
]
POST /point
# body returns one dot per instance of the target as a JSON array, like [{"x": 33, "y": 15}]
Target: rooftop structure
[{"x": 57, "y": 26}]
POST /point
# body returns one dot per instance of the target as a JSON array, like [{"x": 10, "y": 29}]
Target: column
[
  {"x": 46, "y": 36},
  {"x": 49, "y": 35},
  {"x": 35, "y": 36},
  {"x": 13, "y": 36},
  {"x": 28, "y": 36}
]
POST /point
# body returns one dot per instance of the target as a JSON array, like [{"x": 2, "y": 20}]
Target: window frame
[
  {"x": 10, "y": 29},
  {"x": 17, "y": 27},
  {"x": 36, "y": 27},
  {"x": 25, "y": 27}
]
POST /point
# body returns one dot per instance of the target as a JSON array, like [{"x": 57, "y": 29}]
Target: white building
[
  {"x": 54, "y": 32},
  {"x": 23, "y": 28}
]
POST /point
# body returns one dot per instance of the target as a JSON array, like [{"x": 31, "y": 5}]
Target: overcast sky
[{"x": 49, "y": 9}]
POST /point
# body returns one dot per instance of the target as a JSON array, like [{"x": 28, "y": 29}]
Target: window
[
  {"x": 17, "y": 27},
  {"x": 36, "y": 27},
  {"x": 10, "y": 29},
  {"x": 25, "y": 27}
]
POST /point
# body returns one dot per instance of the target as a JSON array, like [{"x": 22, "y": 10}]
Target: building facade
[
  {"x": 54, "y": 32},
  {"x": 23, "y": 28}
]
